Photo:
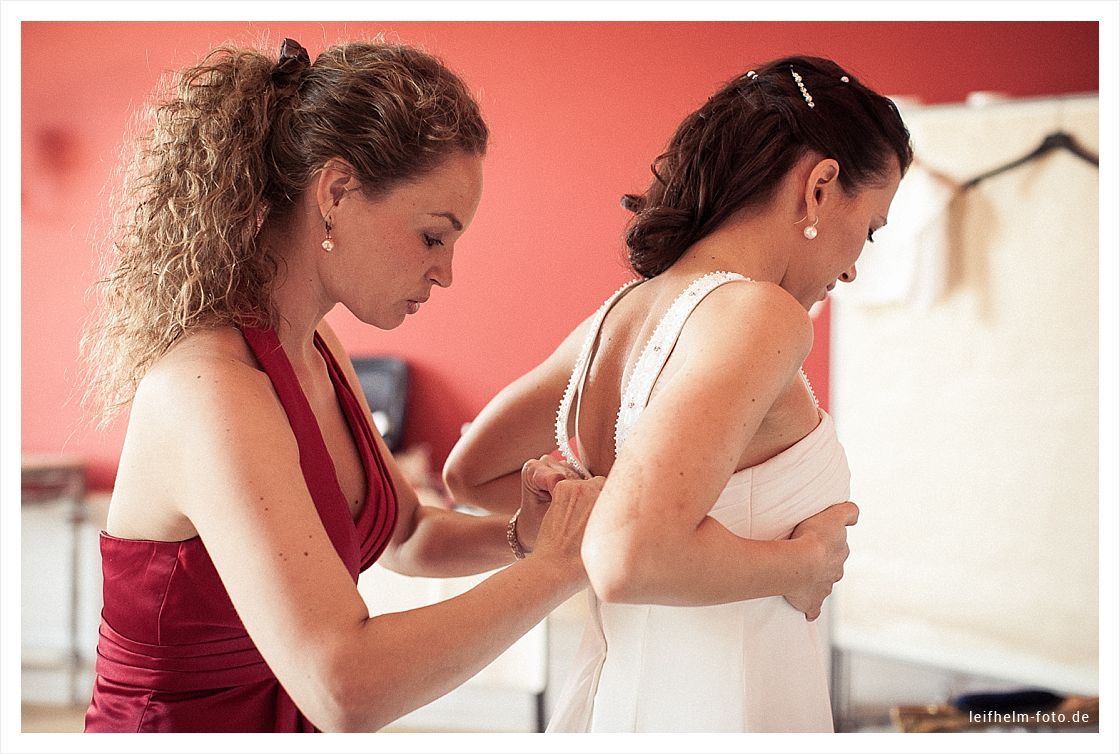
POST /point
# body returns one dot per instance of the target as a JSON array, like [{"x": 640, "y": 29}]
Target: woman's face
[
  {"x": 842, "y": 233},
  {"x": 390, "y": 251}
]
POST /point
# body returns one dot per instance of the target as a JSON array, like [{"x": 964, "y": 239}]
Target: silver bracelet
[{"x": 519, "y": 552}]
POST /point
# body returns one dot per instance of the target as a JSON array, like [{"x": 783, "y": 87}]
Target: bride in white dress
[{"x": 720, "y": 527}]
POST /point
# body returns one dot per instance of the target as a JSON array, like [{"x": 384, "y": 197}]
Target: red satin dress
[{"x": 172, "y": 654}]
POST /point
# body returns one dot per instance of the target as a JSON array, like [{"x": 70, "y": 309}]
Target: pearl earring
[
  {"x": 810, "y": 231},
  {"x": 328, "y": 244}
]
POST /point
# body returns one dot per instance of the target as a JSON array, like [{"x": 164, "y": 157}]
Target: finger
[
  {"x": 567, "y": 490},
  {"x": 560, "y": 466},
  {"x": 579, "y": 493},
  {"x": 850, "y": 511},
  {"x": 549, "y": 479},
  {"x": 529, "y": 467},
  {"x": 545, "y": 478}
]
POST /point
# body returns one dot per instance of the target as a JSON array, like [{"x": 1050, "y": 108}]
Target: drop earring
[
  {"x": 328, "y": 242},
  {"x": 810, "y": 231}
]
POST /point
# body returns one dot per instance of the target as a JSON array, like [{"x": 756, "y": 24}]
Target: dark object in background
[
  {"x": 384, "y": 380},
  {"x": 1025, "y": 700}
]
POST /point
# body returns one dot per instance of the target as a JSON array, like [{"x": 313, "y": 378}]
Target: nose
[
  {"x": 440, "y": 273},
  {"x": 849, "y": 274}
]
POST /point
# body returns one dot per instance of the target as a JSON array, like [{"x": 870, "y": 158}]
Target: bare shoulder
[
  {"x": 204, "y": 405},
  {"x": 748, "y": 316},
  {"x": 206, "y": 374}
]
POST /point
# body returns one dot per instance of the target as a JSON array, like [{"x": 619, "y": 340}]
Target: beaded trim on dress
[
  {"x": 639, "y": 385},
  {"x": 563, "y": 441},
  {"x": 646, "y": 369}
]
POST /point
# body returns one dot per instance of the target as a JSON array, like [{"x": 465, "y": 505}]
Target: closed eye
[{"x": 430, "y": 241}]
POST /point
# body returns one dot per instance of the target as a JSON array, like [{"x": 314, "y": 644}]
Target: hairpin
[
  {"x": 752, "y": 75},
  {"x": 804, "y": 92},
  {"x": 845, "y": 79}
]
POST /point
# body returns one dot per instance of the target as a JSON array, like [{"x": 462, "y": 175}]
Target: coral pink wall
[{"x": 577, "y": 110}]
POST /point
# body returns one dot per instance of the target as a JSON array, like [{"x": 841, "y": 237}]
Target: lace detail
[
  {"x": 809, "y": 385},
  {"x": 646, "y": 369},
  {"x": 563, "y": 441}
]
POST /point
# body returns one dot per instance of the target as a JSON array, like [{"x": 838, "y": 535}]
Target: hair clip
[
  {"x": 804, "y": 92},
  {"x": 288, "y": 70},
  {"x": 752, "y": 75},
  {"x": 845, "y": 79}
]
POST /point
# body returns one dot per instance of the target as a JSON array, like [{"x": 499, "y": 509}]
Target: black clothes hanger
[{"x": 1055, "y": 140}]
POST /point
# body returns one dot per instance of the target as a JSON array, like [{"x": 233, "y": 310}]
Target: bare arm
[
  {"x": 344, "y": 669},
  {"x": 649, "y": 539},
  {"x": 484, "y": 466}
]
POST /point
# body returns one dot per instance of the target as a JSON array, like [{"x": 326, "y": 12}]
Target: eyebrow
[{"x": 454, "y": 220}]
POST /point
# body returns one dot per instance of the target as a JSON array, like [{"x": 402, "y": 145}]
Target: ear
[
  {"x": 822, "y": 186},
  {"x": 335, "y": 179}
]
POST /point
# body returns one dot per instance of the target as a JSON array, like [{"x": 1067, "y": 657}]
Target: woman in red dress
[{"x": 252, "y": 488}]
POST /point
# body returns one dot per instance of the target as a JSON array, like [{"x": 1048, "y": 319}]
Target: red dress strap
[
  {"x": 381, "y": 499},
  {"x": 316, "y": 463}
]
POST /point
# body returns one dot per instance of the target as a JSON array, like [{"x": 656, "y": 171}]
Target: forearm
[
  {"x": 436, "y": 648},
  {"x": 705, "y": 566},
  {"x": 449, "y": 543},
  {"x": 501, "y": 494}
]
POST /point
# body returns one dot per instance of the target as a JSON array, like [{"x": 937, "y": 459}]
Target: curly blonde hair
[{"x": 224, "y": 145}]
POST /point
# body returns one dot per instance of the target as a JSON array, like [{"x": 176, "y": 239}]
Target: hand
[
  {"x": 828, "y": 533},
  {"x": 561, "y": 532},
  {"x": 538, "y": 478}
]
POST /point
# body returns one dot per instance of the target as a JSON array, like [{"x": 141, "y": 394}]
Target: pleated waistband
[{"x": 182, "y": 667}]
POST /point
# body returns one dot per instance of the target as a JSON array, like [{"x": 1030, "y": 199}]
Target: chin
[
  {"x": 390, "y": 323},
  {"x": 380, "y": 320}
]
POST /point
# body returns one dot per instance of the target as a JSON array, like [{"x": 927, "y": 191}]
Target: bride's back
[{"x": 627, "y": 328}]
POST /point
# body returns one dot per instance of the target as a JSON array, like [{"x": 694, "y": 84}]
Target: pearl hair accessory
[
  {"x": 800, "y": 85},
  {"x": 845, "y": 79},
  {"x": 752, "y": 75}
]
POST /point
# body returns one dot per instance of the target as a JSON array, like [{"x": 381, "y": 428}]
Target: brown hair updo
[
  {"x": 233, "y": 140},
  {"x": 733, "y": 152}
]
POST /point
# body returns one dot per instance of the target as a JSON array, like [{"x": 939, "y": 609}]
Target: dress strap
[
  {"x": 578, "y": 377},
  {"x": 381, "y": 495},
  {"x": 652, "y": 360},
  {"x": 314, "y": 458}
]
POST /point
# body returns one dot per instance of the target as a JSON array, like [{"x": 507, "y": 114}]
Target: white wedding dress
[{"x": 755, "y": 665}]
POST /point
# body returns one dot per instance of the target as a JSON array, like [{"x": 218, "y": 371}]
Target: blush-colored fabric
[{"x": 172, "y": 654}]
